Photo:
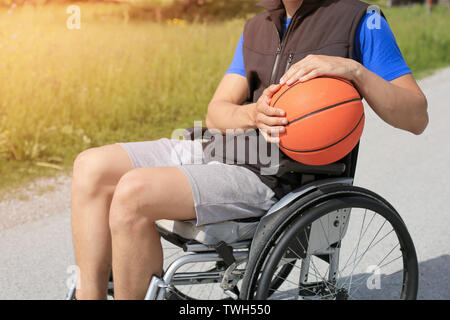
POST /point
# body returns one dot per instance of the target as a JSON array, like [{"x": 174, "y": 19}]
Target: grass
[
  {"x": 125, "y": 79},
  {"x": 423, "y": 39},
  {"x": 63, "y": 90}
]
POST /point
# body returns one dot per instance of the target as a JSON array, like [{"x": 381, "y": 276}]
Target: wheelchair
[{"x": 324, "y": 240}]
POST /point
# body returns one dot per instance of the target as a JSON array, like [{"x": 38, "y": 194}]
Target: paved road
[{"x": 410, "y": 171}]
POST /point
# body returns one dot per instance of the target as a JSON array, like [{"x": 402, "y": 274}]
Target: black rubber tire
[
  {"x": 282, "y": 274},
  {"x": 260, "y": 288}
]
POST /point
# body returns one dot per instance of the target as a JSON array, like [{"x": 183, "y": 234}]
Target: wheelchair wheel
[{"x": 348, "y": 247}]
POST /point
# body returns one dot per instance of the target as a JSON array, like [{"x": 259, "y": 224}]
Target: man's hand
[
  {"x": 317, "y": 65},
  {"x": 270, "y": 121},
  {"x": 399, "y": 102}
]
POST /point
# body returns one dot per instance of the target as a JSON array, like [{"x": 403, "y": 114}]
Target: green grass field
[{"x": 124, "y": 79}]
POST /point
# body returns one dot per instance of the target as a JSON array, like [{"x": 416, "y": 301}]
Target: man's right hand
[{"x": 270, "y": 121}]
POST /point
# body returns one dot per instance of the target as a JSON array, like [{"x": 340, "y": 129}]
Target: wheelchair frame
[
  {"x": 229, "y": 276},
  {"x": 241, "y": 253}
]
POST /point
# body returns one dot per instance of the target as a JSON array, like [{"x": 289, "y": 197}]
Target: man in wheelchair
[{"x": 126, "y": 195}]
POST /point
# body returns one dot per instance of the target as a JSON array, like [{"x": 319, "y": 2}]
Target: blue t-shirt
[{"x": 375, "y": 48}]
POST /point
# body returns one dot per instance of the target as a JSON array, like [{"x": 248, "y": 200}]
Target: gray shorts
[{"x": 221, "y": 192}]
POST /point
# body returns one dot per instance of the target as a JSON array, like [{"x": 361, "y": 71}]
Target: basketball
[{"x": 325, "y": 119}]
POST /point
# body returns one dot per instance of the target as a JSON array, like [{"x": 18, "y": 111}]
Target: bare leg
[
  {"x": 142, "y": 197},
  {"x": 96, "y": 173}
]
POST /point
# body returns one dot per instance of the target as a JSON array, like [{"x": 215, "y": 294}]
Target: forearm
[
  {"x": 224, "y": 115},
  {"x": 400, "y": 107}
]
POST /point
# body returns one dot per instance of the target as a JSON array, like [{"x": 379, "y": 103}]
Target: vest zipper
[
  {"x": 275, "y": 65},
  {"x": 289, "y": 62},
  {"x": 280, "y": 48}
]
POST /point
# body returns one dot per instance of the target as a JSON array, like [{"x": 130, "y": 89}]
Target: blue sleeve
[
  {"x": 377, "y": 50},
  {"x": 237, "y": 65}
]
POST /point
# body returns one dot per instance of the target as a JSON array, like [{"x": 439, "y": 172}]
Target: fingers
[
  {"x": 263, "y": 106},
  {"x": 297, "y": 74},
  {"x": 271, "y": 133},
  {"x": 313, "y": 74},
  {"x": 266, "y": 109},
  {"x": 269, "y": 120},
  {"x": 271, "y": 90},
  {"x": 269, "y": 116},
  {"x": 302, "y": 71},
  {"x": 290, "y": 73},
  {"x": 270, "y": 137},
  {"x": 272, "y": 126},
  {"x": 298, "y": 68}
]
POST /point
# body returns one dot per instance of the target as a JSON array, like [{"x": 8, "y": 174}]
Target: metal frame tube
[
  {"x": 334, "y": 265},
  {"x": 157, "y": 286},
  {"x": 72, "y": 289},
  {"x": 154, "y": 288},
  {"x": 198, "y": 247}
]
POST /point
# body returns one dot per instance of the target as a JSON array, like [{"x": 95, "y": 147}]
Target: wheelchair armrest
[
  {"x": 335, "y": 169},
  {"x": 194, "y": 133}
]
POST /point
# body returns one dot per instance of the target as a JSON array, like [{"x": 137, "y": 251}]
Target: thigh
[
  {"x": 227, "y": 192},
  {"x": 164, "y": 152},
  {"x": 101, "y": 165},
  {"x": 209, "y": 192},
  {"x": 158, "y": 192}
]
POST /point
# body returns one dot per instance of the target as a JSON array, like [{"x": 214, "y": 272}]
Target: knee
[
  {"x": 132, "y": 203},
  {"x": 88, "y": 170}
]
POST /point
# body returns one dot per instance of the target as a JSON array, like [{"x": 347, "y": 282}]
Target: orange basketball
[{"x": 325, "y": 119}]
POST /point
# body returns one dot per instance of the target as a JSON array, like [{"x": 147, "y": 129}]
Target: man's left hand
[{"x": 318, "y": 65}]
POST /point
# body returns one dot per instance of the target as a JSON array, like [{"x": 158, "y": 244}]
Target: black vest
[{"x": 325, "y": 27}]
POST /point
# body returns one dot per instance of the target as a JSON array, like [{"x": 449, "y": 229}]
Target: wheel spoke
[
  {"x": 299, "y": 268},
  {"x": 316, "y": 272},
  {"x": 365, "y": 230},
  {"x": 357, "y": 247},
  {"x": 391, "y": 261},
  {"x": 355, "y": 264},
  {"x": 312, "y": 261}
]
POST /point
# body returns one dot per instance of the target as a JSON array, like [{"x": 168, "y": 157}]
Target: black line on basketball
[
  {"x": 333, "y": 144},
  {"x": 323, "y": 109},
  {"x": 297, "y": 83}
]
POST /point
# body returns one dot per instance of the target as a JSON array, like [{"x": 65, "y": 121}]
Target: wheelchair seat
[
  {"x": 210, "y": 234},
  {"x": 185, "y": 232}
]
